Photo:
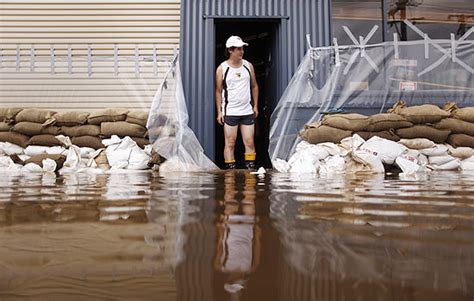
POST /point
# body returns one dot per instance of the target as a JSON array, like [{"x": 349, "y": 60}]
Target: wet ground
[{"x": 236, "y": 236}]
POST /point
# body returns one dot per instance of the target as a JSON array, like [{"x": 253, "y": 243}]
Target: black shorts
[{"x": 236, "y": 120}]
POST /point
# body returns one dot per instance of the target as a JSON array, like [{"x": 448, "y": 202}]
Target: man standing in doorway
[{"x": 237, "y": 102}]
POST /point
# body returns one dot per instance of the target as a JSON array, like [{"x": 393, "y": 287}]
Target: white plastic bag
[
  {"x": 437, "y": 150},
  {"x": 451, "y": 165},
  {"x": 440, "y": 160},
  {"x": 387, "y": 151},
  {"x": 281, "y": 165},
  {"x": 333, "y": 164},
  {"x": 34, "y": 150},
  {"x": 8, "y": 148},
  {"x": 368, "y": 158},
  {"x": 408, "y": 164}
]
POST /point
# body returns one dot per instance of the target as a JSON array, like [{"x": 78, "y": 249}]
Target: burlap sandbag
[
  {"x": 5, "y": 126},
  {"x": 456, "y": 126},
  {"x": 324, "y": 133},
  {"x": 348, "y": 122},
  {"x": 141, "y": 142},
  {"x": 38, "y": 159},
  {"x": 88, "y": 141},
  {"x": 81, "y": 130},
  {"x": 32, "y": 129},
  {"x": 389, "y": 135},
  {"x": 107, "y": 115},
  {"x": 15, "y": 138},
  {"x": 137, "y": 117},
  {"x": 35, "y": 115},
  {"x": 423, "y": 131},
  {"x": 423, "y": 114},
  {"x": 458, "y": 140},
  {"x": 102, "y": 161},
  {"x": 8, "y": 114},
  {"x": 71, "y": 118},
  {"x": 387, "y": 121},
  {"x": 466, "y": 114},
  {"x": 44, "y": 140},
  {"x": 122, "y": 129}
]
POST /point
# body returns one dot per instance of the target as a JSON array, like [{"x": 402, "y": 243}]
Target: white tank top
[{"x": 236, "y": 95}]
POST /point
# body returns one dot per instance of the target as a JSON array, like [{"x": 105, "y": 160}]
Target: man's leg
[
  {"x": 230, "y": 135},
  {"x": 248, "y": 132}
]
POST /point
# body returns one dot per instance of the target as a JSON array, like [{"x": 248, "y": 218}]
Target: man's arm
[
  {"x": 220, "y": 116},
  {"x": 254, "y": 87}
]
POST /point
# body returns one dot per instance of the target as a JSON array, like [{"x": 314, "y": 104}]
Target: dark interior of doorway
[{"x": 261, "y": 37}]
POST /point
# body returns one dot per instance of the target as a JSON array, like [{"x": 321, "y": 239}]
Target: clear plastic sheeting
[
  {"x": 168, "y": 128},
  {"x": 369, "y": 79}
]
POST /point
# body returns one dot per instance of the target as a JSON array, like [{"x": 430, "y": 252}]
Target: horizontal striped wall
[{"x": 92, "y": 79}]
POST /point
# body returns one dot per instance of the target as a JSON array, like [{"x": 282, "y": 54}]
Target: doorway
[{"x": 262, "y": 52}]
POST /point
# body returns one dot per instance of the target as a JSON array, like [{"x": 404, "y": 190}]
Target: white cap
[{"x": 235, "y": 41}]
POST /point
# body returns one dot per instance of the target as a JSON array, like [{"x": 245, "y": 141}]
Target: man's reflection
[{"x": 238, "y": 233}]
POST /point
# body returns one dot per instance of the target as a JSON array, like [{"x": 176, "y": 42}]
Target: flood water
[{"x": 236, "y": 236}]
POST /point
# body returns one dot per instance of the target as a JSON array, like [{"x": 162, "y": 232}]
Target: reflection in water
[{"x": 236, "y": 236}]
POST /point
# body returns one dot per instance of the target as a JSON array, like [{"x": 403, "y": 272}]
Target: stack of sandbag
[
  {"x": 436, "y": 156},
  {"x": 10, "y": 144},
  {"x": 424, "y": 119},
  {"x": 461, "y": 125},
  {"x": 131, "y": 124},
  {"x": 335, "y": 127},
  {"x": 35, "y": 128}
]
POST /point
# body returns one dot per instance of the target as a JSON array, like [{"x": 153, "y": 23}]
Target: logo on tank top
[{"x": 238, "y": 74}]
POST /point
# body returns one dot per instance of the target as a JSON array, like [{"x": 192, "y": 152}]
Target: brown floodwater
[{"x": 236, "y": 236}]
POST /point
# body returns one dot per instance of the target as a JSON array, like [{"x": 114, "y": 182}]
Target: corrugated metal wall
[
  {"x": 299, "y": 17},
  {"x": 99, "y": 23}
]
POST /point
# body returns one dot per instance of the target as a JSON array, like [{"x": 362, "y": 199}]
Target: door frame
[{"x": 209, "y": 61}]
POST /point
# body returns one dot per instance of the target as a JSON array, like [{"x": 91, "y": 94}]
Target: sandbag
[
  {"x": 8, "y": 148},
  {"x": 348, "y": 122},
  {"x": 324, "y": 134},
  {"x": 387, "y": 151},
  {"x": 423, "y": 131},
  {"x": 36, "y": 116},
  {"x": 101, "y": 160},
  {"x": 8, "y": 114},
  {"x": 38, "y": 159},
  {"x": 456, "y": 126},
  {"x": 387, "y": 121},
  {"x": 71, "y": 118},
  {"x": 436, "y": 150},
  {"x": 137, "y": 117},
  {"x": 440, "y": 160},
  {"x": 466, "y": 114},
  {"x": 81, "y": 130},
  {"x": 107, "y": 115},
  {"x": 122, "y": 129},
  {"x": 389, "y": 135},
  {"x": 44, "y": 140},
  {"x": 88, "y": 141},
  {"x": 451, "y": 165},
  {"x": 460, "y": 152},
  {"x": 458, "y": 140},
  {"x": 417, "y": 143},
  {"x": 423, "y": 114},
  {"x": 14, "y": 138},
  {"x": 5, "y": 126},
  {"x": 32, "y": 129},
  {"x": 141, "y": 142}
]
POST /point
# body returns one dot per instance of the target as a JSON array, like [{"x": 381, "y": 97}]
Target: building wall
[
  {"x": 102, "y": 24},
  {"x": 298, "y": 18}
]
